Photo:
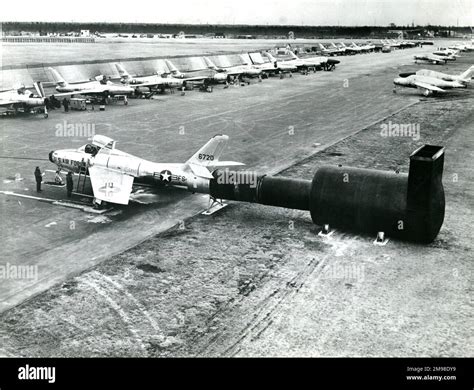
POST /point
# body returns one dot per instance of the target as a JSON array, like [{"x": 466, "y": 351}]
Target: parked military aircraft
[
  {"x": 112, "y": 172},
  {"x": 451, "y": 55},
  {"x": 331, "y": 51},
  {"x": 101, "y": 86},
  {"x": 427, "y": 85},
  {"x": 210, "y": 76},
  {"x": 283, "y": 66},
  {"x": 153, "y": 82},
  {"x": 307, "y": 63},
  {"x": 21, "y": 99},
  {"x": 363, "y": 48},
  {"x": 312, "y": 63},
  {"x": 267, "y": 68},
  {"x": 437, "y": 60},
  {"x": 236, "y": 70},
  {"x": 463, "y": 78},
  {"x": 340, "y": 48},
  {"x": 350, "y": 49},
  {"x": 466, "y": 46}
]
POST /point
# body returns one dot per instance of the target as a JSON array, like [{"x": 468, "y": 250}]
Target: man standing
[
  {"x": 69, "y": 184},
  {"x": 66, "y": 104},
  {"x": 57, "y": 178},
  {"x": 39, "y": 179}
]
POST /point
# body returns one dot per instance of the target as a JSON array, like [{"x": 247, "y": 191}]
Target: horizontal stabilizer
[{"x": 226, "y": 164}]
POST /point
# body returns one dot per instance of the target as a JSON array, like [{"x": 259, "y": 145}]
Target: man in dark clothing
[
  {"x": 66, "y": 105},
  {"x": 69, "y": 184},
  {"x": 39, "y": 179},
  {"x": 54, "y": 103}
]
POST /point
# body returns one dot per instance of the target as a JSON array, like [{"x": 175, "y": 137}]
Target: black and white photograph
[{"x": 237, "y": 179}]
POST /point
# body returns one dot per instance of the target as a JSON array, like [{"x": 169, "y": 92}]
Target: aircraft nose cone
[
  {"x": 407, "y": 74},
  {"x": 51, "y": 156}
]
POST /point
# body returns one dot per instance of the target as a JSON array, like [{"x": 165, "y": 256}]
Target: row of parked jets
[
  {"x": 429, "y": 82},
  {"x": 22, "y": 99},
  {"x": 341, "y": 48},
  {"x": 442, "y": 55}
]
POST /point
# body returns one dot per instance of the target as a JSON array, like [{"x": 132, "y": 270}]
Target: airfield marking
[{"x": 56, "y": 202}]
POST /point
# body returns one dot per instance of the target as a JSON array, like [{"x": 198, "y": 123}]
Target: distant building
[{"x": 85, "y": 33}]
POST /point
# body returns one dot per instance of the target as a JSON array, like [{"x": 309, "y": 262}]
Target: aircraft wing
[
  {"x": 82, "y": 92},
  {"x": 196, "y": 78},
  {"x": 146, "y": 84},
  {"x": 9, "y": 102},
  {"x": 110, "y": 185},
  {"x": 217, "y": 164},
  {"x": 428, "y": 87}
]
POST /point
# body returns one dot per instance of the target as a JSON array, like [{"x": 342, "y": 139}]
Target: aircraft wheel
[{"x": 45, "y": 116}]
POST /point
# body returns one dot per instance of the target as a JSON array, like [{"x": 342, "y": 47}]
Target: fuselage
[
  {"x": 76, "y": 160},
  {"x": 25, "y": 98},
  {"x": 96, "y": 86},
  {"x": 442, "y": 76},
  {"x": 154, "y": 81},
  {"x": 431, "y": 58},
  {"x": 411, "y": 82}
]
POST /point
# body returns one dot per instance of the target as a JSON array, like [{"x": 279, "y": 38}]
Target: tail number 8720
[{"x": 206, "y": 157}]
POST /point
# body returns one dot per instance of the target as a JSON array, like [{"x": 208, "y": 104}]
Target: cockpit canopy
[
  {"x": 89, "y": 149},
  {"x": 103, "y": 141},
  {"x": 98, "y": 142}
]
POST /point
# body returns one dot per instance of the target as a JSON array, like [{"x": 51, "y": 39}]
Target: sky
[{"x": 294, "y": 12}]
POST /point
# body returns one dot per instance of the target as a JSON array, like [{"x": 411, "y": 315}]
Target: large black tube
[
  {"x": 408, "y": 206},
  {"x": 358, "y": 199},
  {"x": 284, "y": 192}
]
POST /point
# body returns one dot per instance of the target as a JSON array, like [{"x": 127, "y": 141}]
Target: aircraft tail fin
[
  {"x": 292, "y": 54},
  {"x": 39, "y": 89},
  {"x": 173, "y": 69},
  {"x": 270, "y": 57},
  {"x": 208, "y": 157},
  {"x": 210, "y": 152},
  {"x": 467, "y": 75},
  {"x": 209, "y": 63},
  {"x": 245, "y": 59},
  {"x": 122, "y": 71},
  {"x": 58, "y": 79}
]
